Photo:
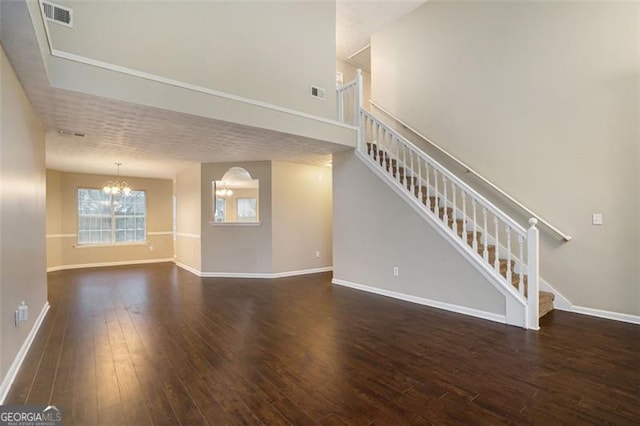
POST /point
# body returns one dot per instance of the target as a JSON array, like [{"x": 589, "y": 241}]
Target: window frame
[
  {"x": 113, "y": 242},
  {"x": 256, "y": 217}
]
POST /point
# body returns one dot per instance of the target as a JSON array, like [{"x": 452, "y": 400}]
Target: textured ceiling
[
  {"x": 158, "y": 143},
  {"x": 357, "y": 20}
]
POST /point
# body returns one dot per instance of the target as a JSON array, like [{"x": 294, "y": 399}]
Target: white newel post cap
[{"x": 533, "y": 222}]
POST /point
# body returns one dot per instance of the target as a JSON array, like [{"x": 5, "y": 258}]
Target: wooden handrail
[{"x": 547, "y": 225}]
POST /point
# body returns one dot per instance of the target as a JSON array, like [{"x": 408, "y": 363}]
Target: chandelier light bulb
[{"x": 116, "y": 187}]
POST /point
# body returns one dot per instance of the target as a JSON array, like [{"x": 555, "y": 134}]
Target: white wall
[
  {"x": 374, "y": 231},
  {"x": 233, "y": 47},
  {"x": 542, "y": 99},
  {"x": 301, "y": 215},
  {"x": 188, "y": 217},
  {"x": 22, "y": 214}
]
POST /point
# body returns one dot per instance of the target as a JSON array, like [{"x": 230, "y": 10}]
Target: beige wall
[
  {"x": 301, "y": 202},
  {"x": 228, "y": 46},
  {"x": 22, "y": 214},
  {"x": 542, "y": 99},
  {"x": 375, "y": 231},
  {"x": 237, "y": 248},
  {"x": 188, "y": 217},
  {"x": 62, "y": 223}
]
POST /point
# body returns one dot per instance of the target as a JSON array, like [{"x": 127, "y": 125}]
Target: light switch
[{"x": 597, "y": 219}]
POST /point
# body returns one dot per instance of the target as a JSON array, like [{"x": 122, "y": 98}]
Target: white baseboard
[
  {"x": 194, "y": 271},
  {"x": 22, "y": 353},
  {"x": 422, "y": 301},
  {"x": 101, "y": 264},
  {"x": 616, "y": 316},
  {"x": 260, "y": 275}
]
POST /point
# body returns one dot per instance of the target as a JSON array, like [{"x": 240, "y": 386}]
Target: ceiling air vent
[{"x": 58, "y": 14}]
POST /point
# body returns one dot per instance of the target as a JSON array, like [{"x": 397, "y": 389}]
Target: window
[
  {"x": 111, "y": 219},
  {"x": 221, "y": 205},
  {"x": 247, "y": 211}
]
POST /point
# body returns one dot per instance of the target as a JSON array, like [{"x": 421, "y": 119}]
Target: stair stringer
[{"x": 515, "y": 304}]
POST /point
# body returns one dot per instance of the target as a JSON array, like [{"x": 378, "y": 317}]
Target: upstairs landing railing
[{"x": 505, "y": 250}]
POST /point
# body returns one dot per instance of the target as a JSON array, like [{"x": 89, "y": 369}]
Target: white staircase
[{"x": 504, "y": 251}]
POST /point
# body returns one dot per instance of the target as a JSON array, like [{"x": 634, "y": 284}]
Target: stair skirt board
[
  {"x": 516, "y": 305},
  {"x": 422, "y": 301}
]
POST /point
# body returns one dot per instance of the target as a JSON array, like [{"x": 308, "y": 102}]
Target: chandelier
[
  {"x": 118, "y": 186},
  {"x": 225, "y": 192}
]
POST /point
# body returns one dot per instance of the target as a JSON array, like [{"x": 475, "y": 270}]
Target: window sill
[
  {"x": 235, "y": 223},
  {"x": 102, "y": 245}
]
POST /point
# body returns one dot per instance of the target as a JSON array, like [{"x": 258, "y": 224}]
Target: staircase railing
[{"x": 503, "y": 248}]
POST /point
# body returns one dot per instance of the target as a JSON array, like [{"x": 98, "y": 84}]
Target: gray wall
[
  {"x": 229, "y": 46},
  {"x": 236, "y": 248},
  {"x": 542, "y": 99},
  {"x": 374, "y": 230},
  {"x": 22, "y": 214}
]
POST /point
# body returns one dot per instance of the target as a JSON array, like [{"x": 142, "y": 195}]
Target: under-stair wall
[{"x": 375, "y": 231}]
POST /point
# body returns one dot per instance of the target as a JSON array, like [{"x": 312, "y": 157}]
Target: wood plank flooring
[{"x": 155, "y": 344}]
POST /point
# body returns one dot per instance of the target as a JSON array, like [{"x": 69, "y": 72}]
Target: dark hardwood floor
[{"x": 156, "y": 344}]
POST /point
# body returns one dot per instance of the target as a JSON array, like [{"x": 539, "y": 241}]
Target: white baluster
[
  {"x": 426, "y": 172},
  {"x": 520, "y": 278},
  {"x": 508, "y": 235},
  {"x": 399, "y": 154},
  {"x": 445, "y": 217},
  {"x": 464, "y": 217},
  {"x": 485, "y": 253},
  {"x": 419, "y": 180},
  {"x": 436, "y": 193},
  {"x": 496, "y": 261},
  {"x": 404, "y": 164},
  {"x": 411, "y": 179},
  {"x": 475, "y": 226},
  {"x": 455, "y": 213}
]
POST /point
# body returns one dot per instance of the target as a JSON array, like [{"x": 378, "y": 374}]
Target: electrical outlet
[
  {"x": 396, "y": 271},
  {"x": 317, "y": 255},
  {"x": 596, "y": 219},
  {"x": 150, "y": 247}
]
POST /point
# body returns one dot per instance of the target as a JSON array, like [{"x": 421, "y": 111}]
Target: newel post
[
  {"x": 533, "y": 270},
  {"x": 359, "y": 119}
]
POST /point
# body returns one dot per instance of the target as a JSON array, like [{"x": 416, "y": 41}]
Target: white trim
[
  {"x": 359, "y": 51},
  {"x": 188, "y": 268},
  {"x": 101, "y": 264},
  {"x": 616, "y": 316},
  {"x": 265, "y": 275},
  {"x": 188, "y": 86},
  {"x": 491, "y": 316},
  {"x": 62, "y": 235},
  {"x": 160, "y": 233},
  {"x": 103, "y": 245},
  {"x": 187, "y": 235},
  {"x": 21, "y": 355},
  {"x": 258, "y": 275}
]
